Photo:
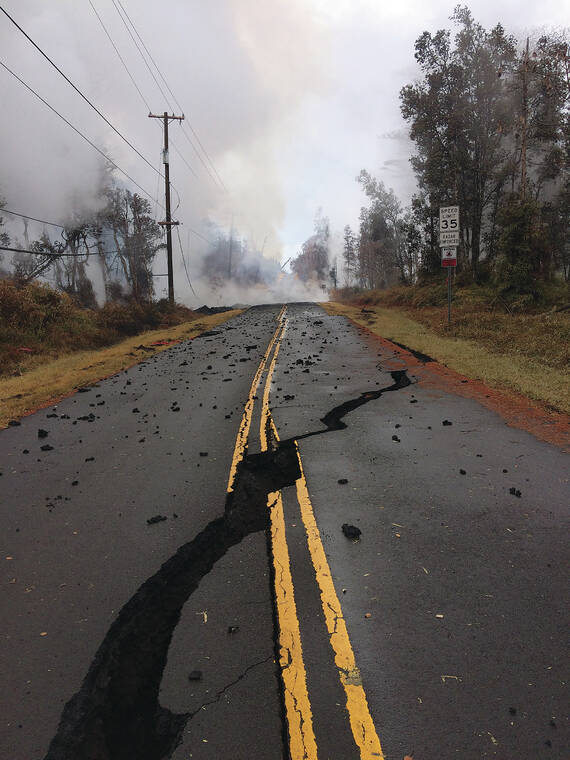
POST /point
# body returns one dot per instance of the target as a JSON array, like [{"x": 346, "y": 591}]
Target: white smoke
[{"x": 238, "y": 68}]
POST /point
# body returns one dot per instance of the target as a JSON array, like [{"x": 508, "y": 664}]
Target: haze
[{"x": 290, "y": 98}]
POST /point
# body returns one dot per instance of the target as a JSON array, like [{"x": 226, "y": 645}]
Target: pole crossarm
[{"x": 162, "y": 115}]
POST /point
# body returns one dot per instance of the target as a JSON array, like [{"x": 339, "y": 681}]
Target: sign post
[{"x": 448, "y": 241}]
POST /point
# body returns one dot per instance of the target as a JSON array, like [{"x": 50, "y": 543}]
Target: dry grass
[
  {"x": 38, "y": 323},
  {"x": 53, "y": 380},
  {"x": 479, "y": 314},
  {"x": 529, "y": 355}
]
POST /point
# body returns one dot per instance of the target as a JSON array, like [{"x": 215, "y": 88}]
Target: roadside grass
[
  {"x": 53, "y": 380},
  {"x": 525, "y": 353},
  {"x": 480, "y": 314},
  {"x": 39, "y": 323}
]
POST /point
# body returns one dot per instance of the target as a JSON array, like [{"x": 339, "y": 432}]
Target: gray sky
[{"x": 291, "y": 98}]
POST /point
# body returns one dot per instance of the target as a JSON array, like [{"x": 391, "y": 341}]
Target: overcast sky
[{"x": 290, "y": 98}]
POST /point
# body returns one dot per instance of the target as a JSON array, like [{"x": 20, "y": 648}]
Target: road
[{"x": 178, "y": 583}]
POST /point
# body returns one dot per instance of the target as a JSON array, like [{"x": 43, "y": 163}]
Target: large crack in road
[{"x": 116, "y": 715}]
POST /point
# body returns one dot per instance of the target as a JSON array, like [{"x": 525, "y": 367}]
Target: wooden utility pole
[{"x": 168, "y": 223}]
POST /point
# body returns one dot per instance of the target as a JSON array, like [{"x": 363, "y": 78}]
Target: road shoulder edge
[
  {"x": 60, "y": 378},
  {"x": 519, "y": 410}
]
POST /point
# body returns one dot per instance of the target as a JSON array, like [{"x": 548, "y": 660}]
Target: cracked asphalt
[{"x": 139, "y": 609}]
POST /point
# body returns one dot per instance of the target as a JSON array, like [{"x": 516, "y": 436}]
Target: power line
[
  {"x": 53, "y": 254},
  {"x": 142, "y": 55},
  {"x": 120, "y": 56},
  {"x": 184, "y": 262},
  {"x": 156, "y": 201},
  {"x": 183, "y": 159},
  {"x": 92, "y": 144},
  {"x": 151, "y": 72},
  {"x": 173, "y": 96},
  {"x": 33, "y": 218},
  {"x": 131, "y": 77},
  {"x": 218, "y": 180},
  {"x": 85, "y": 98},
  {"x": 205, "y": 239},
  {"x": 57, "y": 255}
]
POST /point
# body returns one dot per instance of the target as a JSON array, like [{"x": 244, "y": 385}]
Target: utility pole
[{"x": 168, "y": 223}]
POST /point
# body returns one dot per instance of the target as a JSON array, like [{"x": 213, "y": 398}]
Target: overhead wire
[
  {"x": 173, "y": 95},
  {"x": 122, "y": 11},
  {"x": 141, "y": 94},
  {"x": 120, "y": 57},
  {"x": 55, "y": 254},
  {"x": 156, "y": 201},
  {"x": 142, "y": 55},
  {"x": 93, "y": 145},
  {"x": 78, "y": 91},
  {"x": 136, "y": 86},
  {"x": 184, "y": 262},
  {"x": 33, "y": 218},
  {"x": 75, "y": 129}
]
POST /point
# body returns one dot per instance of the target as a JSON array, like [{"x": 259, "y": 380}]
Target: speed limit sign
[{"x": 448, "y": 226}]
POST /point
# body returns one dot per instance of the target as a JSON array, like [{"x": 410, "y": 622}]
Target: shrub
[{"x": 47, "y": 321}]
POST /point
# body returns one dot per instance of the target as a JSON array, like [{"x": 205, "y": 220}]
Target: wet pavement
[{"x": 139, "y": 612}]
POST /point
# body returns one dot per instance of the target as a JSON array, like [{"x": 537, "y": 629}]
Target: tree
[
  {"x": 519, "y": 243},
  {"x": 71, "y": 270},
  {"x": 312, "y": 263},
  {"x": 543, "y": 90},
  {"x": 380, "y": 261},
  {"x": 349, "y": 256},
  {"x": 136, "y": 237},
  {"x": 459, "y": 117},
  {"x": 425, "y": 220},
  {"x": 4, "y": 239},
  {"x": 410, "y": 246}
]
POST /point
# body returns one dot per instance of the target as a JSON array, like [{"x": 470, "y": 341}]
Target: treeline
[
  {"x": 122, "y": 238},
  {"x": 489, "y": 118}
]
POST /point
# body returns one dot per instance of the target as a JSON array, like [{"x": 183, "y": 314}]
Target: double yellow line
[{"x": 302, "y": 742}]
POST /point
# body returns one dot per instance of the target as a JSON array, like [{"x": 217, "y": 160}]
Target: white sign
[
  {"x": 449, "y": 226},
  {"x": 449, "y": 257}
]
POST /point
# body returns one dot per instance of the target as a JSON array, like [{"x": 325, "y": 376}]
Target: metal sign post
[{"x": 448, "y": 241}]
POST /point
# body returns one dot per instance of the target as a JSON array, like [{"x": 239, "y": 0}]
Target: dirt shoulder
[
  {"x": 527, "y": 394},
  {"x": 56, "y": 379}
]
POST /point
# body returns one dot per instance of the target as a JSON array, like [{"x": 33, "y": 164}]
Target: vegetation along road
[{"x": 283, "y": 538}]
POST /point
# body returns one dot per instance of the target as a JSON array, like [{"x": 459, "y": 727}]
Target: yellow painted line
[
  {"x": 361, "y": 723},
  {"x": 243, "y": 432},
  {"x": 265, "y": 411},
  {"x": 302, "y": 743}
]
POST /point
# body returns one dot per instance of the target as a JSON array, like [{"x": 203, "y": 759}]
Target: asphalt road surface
[{"x": 281, "y": 539}]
